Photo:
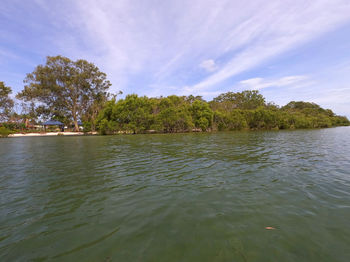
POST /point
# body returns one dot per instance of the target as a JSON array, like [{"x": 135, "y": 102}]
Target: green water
[{"x": 180, "y": 197}]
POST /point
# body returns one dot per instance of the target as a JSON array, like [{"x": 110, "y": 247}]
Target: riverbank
[
  {"x": 52, "y": 134},
  {"x": 148, "y": 132}
]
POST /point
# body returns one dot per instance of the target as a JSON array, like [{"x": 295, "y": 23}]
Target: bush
[
  {"x": 229, "y": 111},
  {"x": 87, "y": 127},
  {"x": 4, "y": 132},
  {"x": 14, "y": 126},
  {"x": 234, "y": 120}
]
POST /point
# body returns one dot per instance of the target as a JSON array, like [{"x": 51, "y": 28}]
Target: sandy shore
[{"x": 51, "y": 134}]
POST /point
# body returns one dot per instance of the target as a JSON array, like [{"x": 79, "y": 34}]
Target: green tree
[
  {"x": 6, "y": 103},
  {"x": 174, "y": 114},
  {"x": 202, "y": 114},
  {"x": 4, "y": 132},
  {"x": 232, "y": 111},
  {"x": 234, "y": 120},
  {"x": 105, "y": 123},
  {"x": 248, "y": 99},
  {"x": 65, "y": 89},
  {"x": 133, "y": 113},
  {"x": 93, "y": 107}
]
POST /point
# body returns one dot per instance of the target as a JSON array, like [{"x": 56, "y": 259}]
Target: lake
[{"x": 177, "y": 197}]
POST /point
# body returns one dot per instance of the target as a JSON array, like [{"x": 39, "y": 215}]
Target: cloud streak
[
  {"x": 208, "y": 65},
  {"x": 274, "y": 34},
  {"x": 157, "y": 47},
  {"x": 287, "y": 81},
  {"x": 162, "y": 40}
]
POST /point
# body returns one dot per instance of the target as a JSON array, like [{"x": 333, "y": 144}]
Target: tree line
[
  {"x": 73, "y": 91},
  {"x": 245, "y": 110}
]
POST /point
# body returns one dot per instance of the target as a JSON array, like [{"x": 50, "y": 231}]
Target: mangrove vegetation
[
  {"x": 245, "y": 110},
  {"x": 75, "y": 92}
]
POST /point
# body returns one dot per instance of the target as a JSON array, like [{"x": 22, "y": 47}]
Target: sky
[{"x": 288, "y": 50}]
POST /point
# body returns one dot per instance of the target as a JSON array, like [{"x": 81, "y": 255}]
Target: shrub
[{"x": 4, "y": 132}]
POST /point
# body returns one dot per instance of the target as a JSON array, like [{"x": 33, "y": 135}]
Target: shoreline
[
  {"x": 51, "y": 134},
  {"x": 150, "y": 133}
]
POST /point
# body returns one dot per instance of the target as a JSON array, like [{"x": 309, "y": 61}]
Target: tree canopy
[
  {"x": 66, "y": 90},
  {"x": 248, "y": 99},
  {"x": 6, "y": 103},
  {"x": 72, "y": 91},
  {"x": 230, "y": 111}
]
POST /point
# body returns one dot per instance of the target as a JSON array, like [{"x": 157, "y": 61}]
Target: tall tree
[
  {"x": 174, "y": 114},
  {"x": 65, "y": 89},
  {"x": 202, "y": 114},
  {"x": 248, "y": 99},
  {"x": 6, "y": 103}
]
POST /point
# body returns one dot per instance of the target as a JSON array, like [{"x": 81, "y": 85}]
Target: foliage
[
  {"x": 66, "y": 90},
  {"x": 4, "y": 132},
  {"x": 173, "y": 114},
  {"x": 230, "y": 111},
  {"x": 248, "y": 99},
  {"x": 6, "y": 103},
  {"x": 202, "y": 114},
  {"x": 133, "y": 113},
  {"x": 13, "y": 125},
  {"x": 234, "y": 120},
  {"x": 87, "y": 127},
  {"x": 311, "y": 115}
]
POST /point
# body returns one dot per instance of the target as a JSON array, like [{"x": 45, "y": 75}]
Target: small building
[{"x": 59, "y": 124}]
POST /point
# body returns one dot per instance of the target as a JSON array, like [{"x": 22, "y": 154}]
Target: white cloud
[
  {"x": 163, "y": 42},
  {"x": 209, "y": 65},
  {"x": 275, "y": 28},
  {"x": 129, "y": 38},
  {"x": 290, "y": 81}
]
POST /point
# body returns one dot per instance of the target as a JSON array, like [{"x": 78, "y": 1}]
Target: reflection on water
[{"x": 180, "y": 197}]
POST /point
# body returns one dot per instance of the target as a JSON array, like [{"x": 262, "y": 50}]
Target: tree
[
  {"x": 202, "y": 115},
  {"x": 66, "y": 89},
  {"x": 133, "y": 113},
  {"x": 248, "y": 99},
  {"x": 230, "y": 111},
  {"x": 174, "y": 114},
  {"x": 233, "y": 120},
  {"x": 6, "y": 103},
  {"x": 105, "y": 123}
]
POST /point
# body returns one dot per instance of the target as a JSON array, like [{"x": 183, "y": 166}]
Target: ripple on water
[{"x": 181, "y": 197}]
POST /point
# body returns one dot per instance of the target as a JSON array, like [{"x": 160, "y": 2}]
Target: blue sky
[{"x": 289, "y": 50}]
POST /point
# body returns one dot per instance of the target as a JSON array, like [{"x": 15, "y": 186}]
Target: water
[{"x": 179, "y": 197}]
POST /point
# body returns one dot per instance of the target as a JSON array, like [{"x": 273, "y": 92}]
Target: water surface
[{"x": 179, "y": 197}]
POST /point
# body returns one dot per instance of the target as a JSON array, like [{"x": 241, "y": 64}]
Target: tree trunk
[
  {"x": 93, "y": 121},
  {"x": 76, "y": 127},
  {"x": 75, "y": 119}
]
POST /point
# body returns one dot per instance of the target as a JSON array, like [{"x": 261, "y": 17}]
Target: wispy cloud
[
  {"x": 274, "y": 33},
  {"x": 161, "y": 40},
  {"x": 208, "y": 65},
  {"x": 161, "y": 47},
  {"x": 290, "y": 81}
]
